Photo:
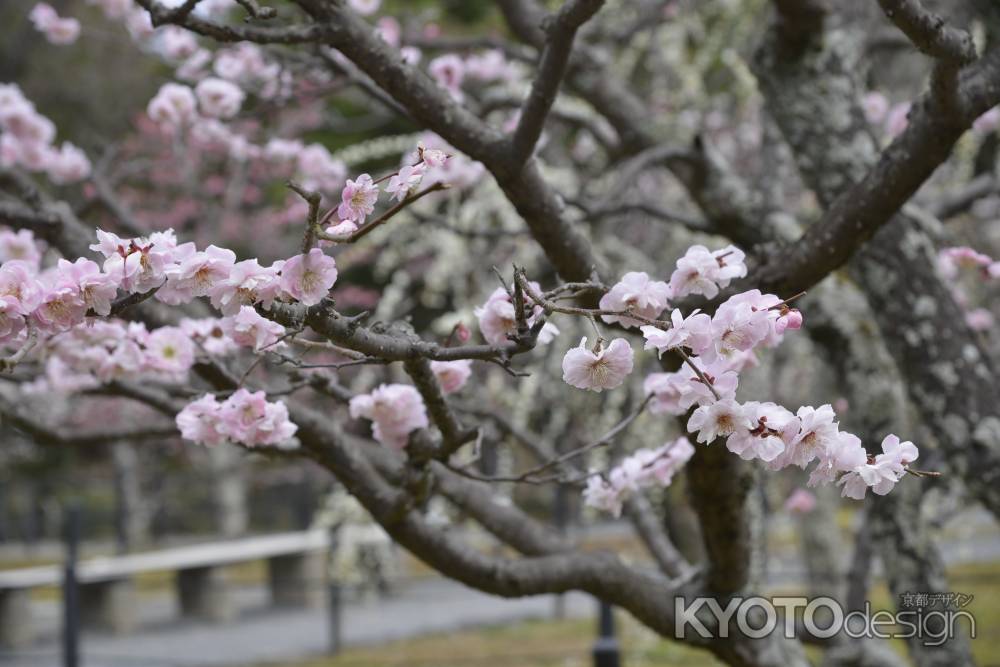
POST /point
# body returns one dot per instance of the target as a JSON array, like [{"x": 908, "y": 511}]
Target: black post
[
  {"x": 71, "y": 593},
  {"x": 606, "y": 652},
  {"x": 335, "y": 598}
]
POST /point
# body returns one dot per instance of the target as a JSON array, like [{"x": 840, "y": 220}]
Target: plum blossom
[
  {"x": 69, "y": 164},
  {"x": 250, "y": 419},
  {"x": 452, "y": 375},
  {"x": 448, "y": 70},
  {"x": 248, "y": 329},
  {"x": 666, "y": 391},
  {"x": 57, "y": 30},
  {"x": 800, "y": 501},
  {"x": 174, "y": 106},
  {"x": 952, "y": 260},
  {"x": 875, "y": 106},
  {"x": 497, "y": 318},
  {"x": 358, "y": 199},
  {"x": 97, "y": 289},
  {"x": 737, "y": 326},
  {"x": 247, "y": 284},
  {"x": 396, "y": 410},
  {"x": 636, "y": 292},
  {"x": 897, "y": 119},
  {"x": 719, "y": 419},
  {"x": 308, "y": 278},
  {"x": 61, "y": 307},
  {"x": 320, "y": 170},
  {"x": 218, "y": 98},
  {"x": 365, "y": 7},
  {"x": 200, "y": 421},
  {"x": 883, "y": 473},
  {"x": 817, "y": 432},
  {"x": 600, "y": 368},
  {"x": 772, "y": 427},
  {"x": 701, "y": 271},
  {"x": 171, "y": 351},
  {"x": 196, "y": 274},
  {"x": 644, "y": 468},
  {"x": 693, "y": 332},
  {"x": 401, "y": 183},
  {"x": 980, "y": 319},
  {"x": 207, "y": 333},
  {"x": 19, "y": 245},
  {"x": 842, "y": 454}
]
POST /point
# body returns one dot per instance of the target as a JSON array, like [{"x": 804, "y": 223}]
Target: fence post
[
  {"x": 334, "y": 598},
  {"x": 71, "y": 591},
  {"x": 606, "y": 652}
]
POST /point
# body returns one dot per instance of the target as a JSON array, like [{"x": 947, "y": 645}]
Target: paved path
[{"x": 262, "y": 634}]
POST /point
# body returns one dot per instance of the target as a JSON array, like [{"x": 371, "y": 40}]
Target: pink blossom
[
  {"x": 694, "y": 391},
  {"x": 60, "y": 309},
  {"x": 170, "y": 351},
  {"x": 448, "y": 70},
  {"x": 11, "y": 319},
  {"x": 208, "y": 334},
  {"x": 667, "y": 391},
  {"x": 176, "y": 43},
  {"x": 897, "y": 119},
  {"x": 497, "y": 319},
  {"x": 219, "y": 98},
  {"x": 600, "y": 368},
  {"x": 195, "y": 275},
  {"x": 881, "y": 475},
  {"x": 601, "y": 495},
  {"x": 432, "y": 157},
  {"x": 200, "y": 421},
  {"x": 841, "y": 454},
  {"x": 388, "y": 29},
  {"x": 249, "y": 419},
  {"x": 343, "y": 228},
  {"x": 282, "y": 150},
  {"x": 404, "y": 181},
  {"x": 358, "y": 199},
  {"x": 248, "y": 329},
  {"x": 365, "y": 7},
  {"x": 173, "y": 107},
  {"x": 396, "y": 410},
  {"x": 719, "y": 419},
  {"x": 987, "y": 122},
  {"x": 980, "y": 319},
  {"x": 815, "y": 434},
  {"x": 737, "y": 326},
  {"x": 772, "y": 427},
  {"x": 800, "y": 502},
  {"x": 247, "y": 284},
  {"x": 308, "y": 278},
  {"x": 951, "y": 260},
  {"x": 875, "y": 106},
  {"x": 320, "y": 170},
  {"x": 69, "y": 164},
  {"x": 56, "y": 29},
  {"x": 18, "y": 282},
  {"x": 19, "y": 245},
  {"x": 452, "y": 375},
  {"x": 693, "y": 332},
  {"x": 700, "y": 271},
  {"x": 637, "y": 293},
  {"x": 97, "y": 289}
]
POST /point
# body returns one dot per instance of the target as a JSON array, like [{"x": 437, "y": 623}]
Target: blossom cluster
[
  {"x": 717, "y": 349},
  {"x": 26, "y": 141},
  {"x": 642, "y": 469},
  {"x": 395, "y": 410},
  {"x": 245, "y": 417}
]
